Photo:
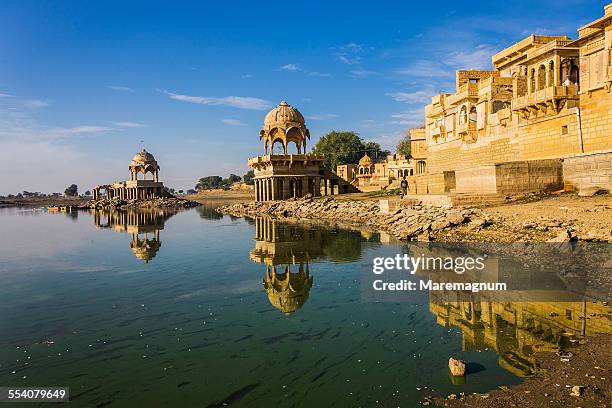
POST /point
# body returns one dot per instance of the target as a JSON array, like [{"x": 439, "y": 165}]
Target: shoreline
[
  {"x": 507, "y": 223},
  {"x": 577, "y": 376}
]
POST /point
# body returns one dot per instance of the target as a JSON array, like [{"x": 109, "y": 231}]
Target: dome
[
  {"x": 143, "y": 162},
  {"x": 284, "y": 124},
  {"x": 365, "y": 161},
  {"x": 143, "y": 158},
  {"x": 284, "y": 115}
]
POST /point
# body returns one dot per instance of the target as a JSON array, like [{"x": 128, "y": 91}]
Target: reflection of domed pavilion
[
  {"x": 282, "y": 247},
  {"x": 288, "y": 291},
  {"x": 284, "y": 175},
  {"x": 288, "y": 249},
  {"x": 135, "y": 188},
  {"x": 143, "y": 226}
]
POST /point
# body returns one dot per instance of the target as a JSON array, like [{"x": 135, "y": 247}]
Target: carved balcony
[
  {"x": 467, "y": 131},
  {"x": 438, "y": 131},
  {"x": 548, "y": 100}
]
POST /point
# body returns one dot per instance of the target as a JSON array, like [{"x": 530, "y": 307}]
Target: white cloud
[
  {"x": 319, "y": 74},
  {"x": 361, "y": 73},
  {"x": 389, "y": 140},
  {"x": 129, "y": 124},
  {"x": 349, "y": 54},
  {"x": 477, "y": 58},
  {"x": 412, "y": 118},
  {"x": 420, "y": 96},
  {"x": 290, "y": 67},
  {"x": 120, "y": 88},
  {"x": 35, "y": 103},
  {"x": 323, "y": 116},
  {"x": 427, "y": 69},
  {"x": 241, "y": 102},
  {"x": 83, "y": 130},
  {"x": 247, "y": 76},
  {"x": 298, "y": 68},
  {"x": 5, "y": 95},
  {"x": 233, "y": 122}
]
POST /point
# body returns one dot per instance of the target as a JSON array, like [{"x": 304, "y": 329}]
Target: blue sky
[{"x": 82, "y": 83}]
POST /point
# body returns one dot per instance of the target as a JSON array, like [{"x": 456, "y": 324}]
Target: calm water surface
[{"x": 198, "y": 309}]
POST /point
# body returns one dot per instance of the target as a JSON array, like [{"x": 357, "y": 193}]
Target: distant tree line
[{"x": 214, "y": 182}]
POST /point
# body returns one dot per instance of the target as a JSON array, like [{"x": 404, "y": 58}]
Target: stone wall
[
  {"x": 596, "y": 120},
  {"x": 479, "y": 179},
  {"x": 511, "y": 177},
  {"x": 588, "y": 170},
  {"x": 547, "y": 137},
  {"x": 533, "y": 175}
]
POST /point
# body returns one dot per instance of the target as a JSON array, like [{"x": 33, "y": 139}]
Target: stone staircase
[{"x": 343, "y": 185}]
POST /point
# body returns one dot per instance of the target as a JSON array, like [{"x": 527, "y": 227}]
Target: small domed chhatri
[
  {"x": 291, "y": 173},
  {"x": 144, "y": 162},
  {"x": 365, "y": 160},
  {"x": 135, "y": 188},
  {"x": 284, "y": 124}
]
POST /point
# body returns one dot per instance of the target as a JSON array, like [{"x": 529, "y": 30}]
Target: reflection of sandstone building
[
  {"x": 143, "y": 226},
  {"x": 135, "y": 188},
  {"x": 542, "y": 117},
  {"x": 282, "y": 175},
  {"x": 516, "y": 331}
]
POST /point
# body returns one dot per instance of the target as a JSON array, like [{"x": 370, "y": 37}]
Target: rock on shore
[
  {"x": 160, "y": 202},
  {"x": 411, "y": 223}
]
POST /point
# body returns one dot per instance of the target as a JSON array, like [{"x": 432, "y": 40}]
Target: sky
[{"x": 85, "y": 84}]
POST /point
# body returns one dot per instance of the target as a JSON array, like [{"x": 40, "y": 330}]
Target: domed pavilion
[
  {"x": 286, "y": 170},
  {"x": 139, "y": 186}
]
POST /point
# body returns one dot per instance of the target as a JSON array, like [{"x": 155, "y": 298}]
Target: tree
[
  {"x": 72, "y": 190},
  {"x": 191, "y": 191},
  {"x": 248, "y": 177},
  {"x": 88, "y": 193},
  {"x": 208, "y": 182},
  {"x": 403, "y": 147},
  {"x": 374, "y": 151},
  {"x": 233, "y": 178},
  {"x": 339, "y": 148}
]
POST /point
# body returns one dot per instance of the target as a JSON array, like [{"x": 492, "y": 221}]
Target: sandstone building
[
  {"x": 540, "y": 120},
  {"x": 135, "y": 188},
  {"x": 284, "y": 175},
  {"x": 369, "y": 175}
]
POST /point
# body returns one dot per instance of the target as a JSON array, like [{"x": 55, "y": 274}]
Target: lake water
[{"x": 198, "y": 309}]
